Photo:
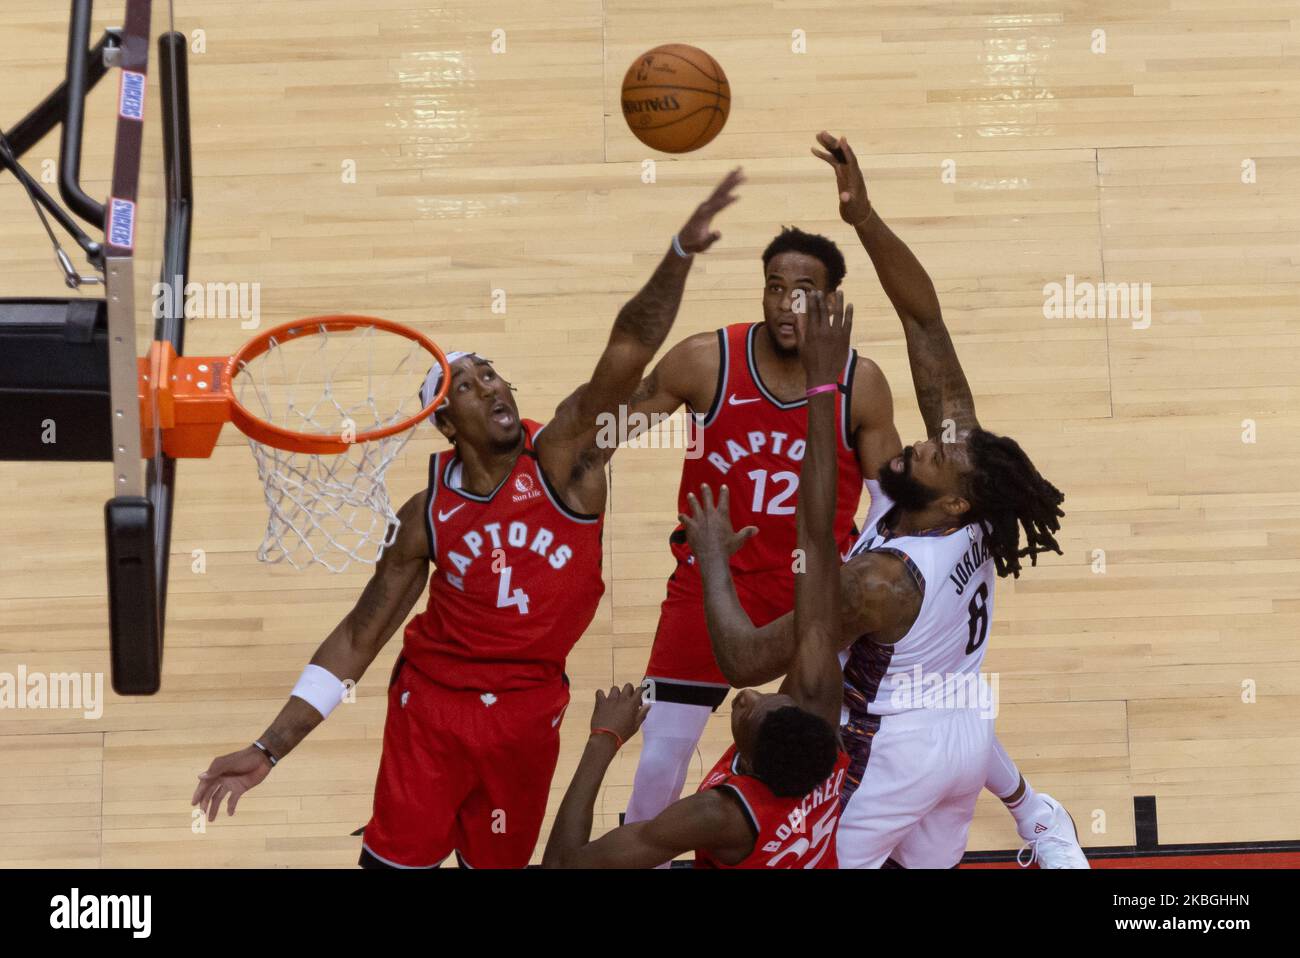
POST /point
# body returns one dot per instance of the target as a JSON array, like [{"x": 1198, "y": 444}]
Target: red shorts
[
  {"x": 682, "y": 651},
  {"x": 464, "y": 771}
]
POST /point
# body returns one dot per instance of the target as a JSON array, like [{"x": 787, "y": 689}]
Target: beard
[{"x": 908, "y": 493}]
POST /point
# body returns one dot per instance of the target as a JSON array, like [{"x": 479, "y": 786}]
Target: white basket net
[{"x": 332, "y": 510}]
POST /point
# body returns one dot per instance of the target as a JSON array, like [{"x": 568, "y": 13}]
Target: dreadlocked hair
[{"x": 1007, "y": 493}]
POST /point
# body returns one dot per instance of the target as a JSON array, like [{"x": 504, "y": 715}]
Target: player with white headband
[{"x": 511, "y": 521}]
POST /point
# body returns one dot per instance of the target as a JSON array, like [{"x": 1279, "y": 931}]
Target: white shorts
[{"x": 923, "y": 771}]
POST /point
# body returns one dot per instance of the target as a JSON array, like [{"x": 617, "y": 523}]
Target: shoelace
[{"x": 1032, "y": 848}]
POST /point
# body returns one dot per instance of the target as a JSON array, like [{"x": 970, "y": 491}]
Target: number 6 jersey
[{"x": 516, "y": 583}]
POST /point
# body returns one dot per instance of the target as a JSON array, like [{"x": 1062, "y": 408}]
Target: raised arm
[
  {"x": 941, "y": 388},
  {"x": 877, "y": 598},
  {"x": 707, "y": 820},
  {"x": 685, "y": 375},
  {"x": 814, "y": 680},
  {"x": 567, "y": 449},
  {"x": 397, "y": 583}
]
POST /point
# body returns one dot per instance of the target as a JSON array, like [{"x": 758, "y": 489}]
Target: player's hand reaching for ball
[
  {"x": 230, "y": 775},
  {"x": 620, "y": 711},
  {"x": 854, "y": 205},
  {"x": 823, "y": 333},
  {"x": 708, "y": 526},
  {"x": 697, "y": 235}
]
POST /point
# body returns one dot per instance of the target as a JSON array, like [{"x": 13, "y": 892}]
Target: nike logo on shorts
[
  {"x": 444, "y": 516},
  {"x": 733, "y": 401}
]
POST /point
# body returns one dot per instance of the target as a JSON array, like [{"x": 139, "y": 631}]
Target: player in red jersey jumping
[
  {"x": 772, "y": 800},
  {"x": 744, "y": 385},
  {"x": 511, "y": 520}
]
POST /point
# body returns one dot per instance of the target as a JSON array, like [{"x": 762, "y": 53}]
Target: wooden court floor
[{"x": 388, "y": 161}]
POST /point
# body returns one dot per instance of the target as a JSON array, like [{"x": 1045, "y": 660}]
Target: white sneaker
[{"x": 1056, "y": 844}]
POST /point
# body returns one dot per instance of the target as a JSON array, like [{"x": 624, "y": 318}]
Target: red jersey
[
  {"x": 516, "y": 583},
  {"x": 789, "y": 832},
  {"x": 755, "y": 444}
]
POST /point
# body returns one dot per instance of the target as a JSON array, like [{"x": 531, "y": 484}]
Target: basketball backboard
[
  {"x": 73, "y": 362},
  {"x": 147, "y": 237}
]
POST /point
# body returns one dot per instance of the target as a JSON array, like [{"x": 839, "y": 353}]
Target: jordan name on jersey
[{"x": 966, "y": 567}]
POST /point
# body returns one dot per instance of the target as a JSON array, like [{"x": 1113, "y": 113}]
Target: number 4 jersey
[{"x": 516, "y": 583}]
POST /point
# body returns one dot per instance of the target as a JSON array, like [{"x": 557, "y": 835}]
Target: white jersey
[{"x": 937, "y": 663}]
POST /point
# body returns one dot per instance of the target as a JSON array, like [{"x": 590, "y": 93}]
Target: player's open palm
[
  {"x": 698, "y": 233},
  {"x": 620, "y": 711},
  {"x": 708, "y": 526},
  {"x": 824, "y": 333},
  {"x": 229, "y": 776},
  {"x": 854, "y": 205}
]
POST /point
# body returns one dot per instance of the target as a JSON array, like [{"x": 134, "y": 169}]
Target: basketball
[{"x": 675, "y": 98}]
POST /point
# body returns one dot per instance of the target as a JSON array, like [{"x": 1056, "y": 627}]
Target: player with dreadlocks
[{"x": 948, "y": 517}]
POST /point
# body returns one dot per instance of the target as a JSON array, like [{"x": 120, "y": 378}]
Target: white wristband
[
  {"x": 320, "y": 689},
  {"x": 677, "y": 248}
]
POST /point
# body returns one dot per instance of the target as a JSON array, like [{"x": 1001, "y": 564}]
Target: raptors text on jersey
[
  {"x": 516, "y": 582},
  {"x": 755, "y": 444}
]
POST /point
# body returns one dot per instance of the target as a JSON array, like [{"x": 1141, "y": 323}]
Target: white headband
[{"x": 433, "y": 381}]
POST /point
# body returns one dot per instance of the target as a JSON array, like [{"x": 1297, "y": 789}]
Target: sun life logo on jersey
[{"x": 525, "y": 488}]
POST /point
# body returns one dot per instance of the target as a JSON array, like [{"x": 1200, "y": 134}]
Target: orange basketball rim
[{"x": 194, "y": 395}]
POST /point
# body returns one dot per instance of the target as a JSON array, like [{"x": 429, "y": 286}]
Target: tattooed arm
[
  {"x": 397, "y": 583},
  {"x": 941, "y": 388},
  {"x": 686, "y": 375},
  {"x": 568, "y": 448}
]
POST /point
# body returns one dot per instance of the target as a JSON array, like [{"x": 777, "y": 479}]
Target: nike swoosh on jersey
[
  {"x": 444, "y": 516},
  {"x": 733, "y": 401}
]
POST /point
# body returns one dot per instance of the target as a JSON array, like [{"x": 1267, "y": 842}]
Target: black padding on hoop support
[
  {"x": 54, "y": 392},
  {"x": 133, "y": 608}
]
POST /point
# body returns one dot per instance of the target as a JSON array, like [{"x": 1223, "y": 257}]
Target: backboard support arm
[{"x": 80, "y": 202}]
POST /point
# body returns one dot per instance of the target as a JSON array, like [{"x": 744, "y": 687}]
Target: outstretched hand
[
  {"x": 708, "y": 527},
  {"x": 855, "y": 207},
  {"x": 824, "y": 332},
  {"x": 697, "y": 236},
  {"x": 229, "y": 775},
  {"x": 620, "y": 710}
]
